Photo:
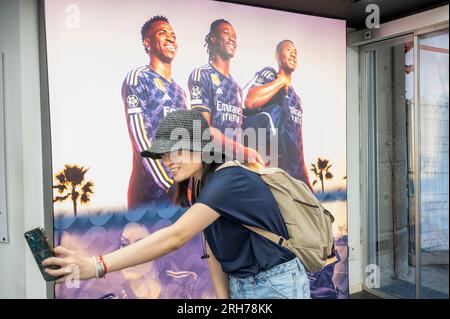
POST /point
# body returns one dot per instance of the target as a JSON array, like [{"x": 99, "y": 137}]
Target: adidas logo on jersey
[{"x": 166, "y": 97}]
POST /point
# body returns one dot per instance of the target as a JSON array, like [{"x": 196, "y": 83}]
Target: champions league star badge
[
  {"x": 196, "y": 92},
  {"x": 132, "y": 100}
]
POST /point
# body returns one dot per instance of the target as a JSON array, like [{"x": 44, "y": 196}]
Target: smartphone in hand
[{"x": 41, "y": 249}]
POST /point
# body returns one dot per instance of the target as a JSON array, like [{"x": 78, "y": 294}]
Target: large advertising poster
[{"x": 106, "y": 101}]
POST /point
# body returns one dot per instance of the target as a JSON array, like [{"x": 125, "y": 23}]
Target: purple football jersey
[
  {"x": 148, "y": 98},
  {"x": 218, "y": 95}
]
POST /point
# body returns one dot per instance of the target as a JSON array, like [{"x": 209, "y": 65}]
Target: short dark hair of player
[
  {"x": 213, "y": 32},
  {"x": 147, "y": 25},
  {"x": 280, "y": 45}
]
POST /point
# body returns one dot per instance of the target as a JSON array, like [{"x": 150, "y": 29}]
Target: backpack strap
[
  {"x": 255, "y": 168},
  {"x": 228, "y": 164},
  {"x": 279, "y": 240}
]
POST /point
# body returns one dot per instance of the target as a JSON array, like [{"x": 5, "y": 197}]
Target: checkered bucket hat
[{"x": 180, "y": 130}]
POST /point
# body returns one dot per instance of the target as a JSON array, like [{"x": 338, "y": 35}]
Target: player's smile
[
  {"x": 170, "y": 47},
  {"x": 292, "y": 61},
  {"x": 231, "y": 44}
]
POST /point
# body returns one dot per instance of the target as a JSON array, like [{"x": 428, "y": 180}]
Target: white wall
[
  {"x": 19, "y": 276},
  {"x": 353, "y": 175}
]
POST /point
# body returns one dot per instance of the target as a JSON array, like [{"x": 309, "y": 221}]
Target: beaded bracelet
[{"x": 99, "y": 267}]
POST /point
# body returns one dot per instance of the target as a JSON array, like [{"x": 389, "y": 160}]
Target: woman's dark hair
[
  {"x": 182, "y": 196},
  {"x": 210, "y": 47}
]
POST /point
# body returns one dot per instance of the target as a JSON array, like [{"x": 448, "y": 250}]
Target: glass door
[
  {"x": 433, "y": 49},
  {"x": 388, "y": 98},
  {"x": 404, "y": 151}
]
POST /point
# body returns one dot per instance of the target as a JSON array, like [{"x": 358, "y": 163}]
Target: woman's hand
[
  {"x": 251, "y": 156},
  {"x": 71, "y": 263}
]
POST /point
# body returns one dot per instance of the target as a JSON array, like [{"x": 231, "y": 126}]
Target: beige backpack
[{"x": 307, "y": 221}]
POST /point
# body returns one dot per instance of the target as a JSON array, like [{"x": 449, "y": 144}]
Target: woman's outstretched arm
[{"x": 155, "y": 245}]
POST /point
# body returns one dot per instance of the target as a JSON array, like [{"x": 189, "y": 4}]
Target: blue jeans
[{"x": 284, "y": 281}]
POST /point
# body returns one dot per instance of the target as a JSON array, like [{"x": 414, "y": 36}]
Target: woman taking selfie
[{"x": 242, "y": 263}]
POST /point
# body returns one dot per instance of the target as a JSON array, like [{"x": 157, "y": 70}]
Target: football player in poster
[
  {"x": 216, "y": 94},
  {"x": 272, "y": 103},
  {"x": 149, "y": 94}
]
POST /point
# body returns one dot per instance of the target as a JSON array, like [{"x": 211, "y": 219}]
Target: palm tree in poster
[
  {"x": 321, "y": 170},
  {"x": 71, "y": 185}
]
